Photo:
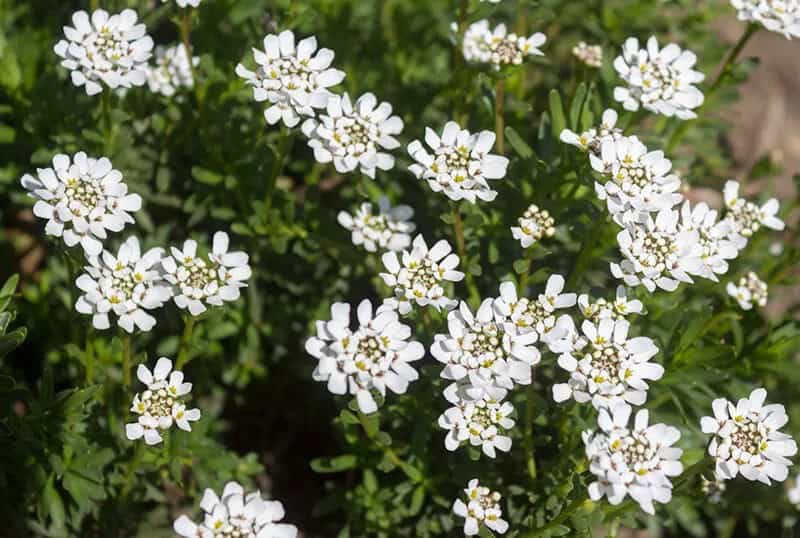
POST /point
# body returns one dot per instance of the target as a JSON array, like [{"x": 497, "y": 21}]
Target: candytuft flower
[
  {"x": 745, "y": 217},
  {"x": 171, "y": 71},
  {"x": 750, "y": 291},
  {"x": 620, "y": 308},
  {"x": 294, "y": 79},
  {"x": 746, "y": 439},
  {"x": 390, "y": 229},
  {"x": 185, "y": 3},
  {"x": 200, "y": 281},
  {"x": 162, "y": 404},
  {"x": 460, "y": 163},
  {"x": 482, "y": 508},
  {"x": 482, "y": 421},
  {"x": 534, "y": 315},
  {"x": 354, "y": 135},
  {"x": 613, "y": 369},
  {"x": 591, "y": 55},
  {"x": 779, "y": 16},
  {"x": 106, "y": 49},
  {"x": 236, "y": 514},
  {"x": 127, "y": 285},
  {"x": 418, "y": 275},
  {"x": 716, "y": 242},
  {"x": 660, "y": 80},
  {"x": 499, "y": 47},
  {"x": 636, "y": 461},
  {"x": 533, "y": 225},
  {"x": 82, "y": 199},
  {"x": 593, "y": 139},
  {"x": 375, "y": 356}
]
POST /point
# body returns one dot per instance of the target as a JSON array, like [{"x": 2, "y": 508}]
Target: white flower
[
  {"x": 637, "y": 462},
  {"x": 660, "y": 80},
  {"x": 713, "y": 489},
  {"x": 781, "y": 16},
  {"x": 745, "y": 217},
  {"x": 127, "y": 285},
  {"x": 390, "y": 229},
  {"x": 794, "y": 492},
  {"x": 171, "y": 71},
  {"x": 534, "y": 315},
  {"x": 460, "y": 164},
  {"x": 498, "y": 47},
  {"x": 375, "y": 356},
  {"x": 162, "y": 404},
  {"x": 294, "y": 79},
  {"x": 591, "y": 55},
  {"x": 657, "y": 253},
  {"x": 483, "y": 421},
  {"x": 482, "y": 508},
  {"x": 236, "y": 514},
  {"x": 714, "y": 236},
  {"x": 352, "y": 136},
  {"x": 418, "y": 275},
  {"x": 620, "y": 308},
  {"x": 483, "y": 350},
  {"x": 593, "y": 139},
  {"x": 613, "y": 369},
  {"x": 634, "y": 179},
  {"x": 82, "y": 199},
  {"x": 533, "y": 225},
  {"x": 185, "y": 3},
  {"x": 112, "y": 50},
  {"x": 200, "y": 281},
  {"x": 750, "y": 291},
  {"x": 746, "y": 439}
]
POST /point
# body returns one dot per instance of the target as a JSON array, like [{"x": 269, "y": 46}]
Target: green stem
[
  {"x": 409, "y": 470},
  {"x": 284, "y": 147},
  {"x": 186, "y": 340},
  {"x": 185, "y": 30},
  {"x": 126, "y": 360},
  {"x": 613, "y": 530},
  {"x": 499, "y": 123},
  {"x": 530, "y": 410},
  {"x": 524, "y": 277},
  {"x": 585, "y": 255},
  {"x": 458, "y": 230},
  {"x": 724, "y": 73},
  {"x": 105, "y": 103},
  {"x": 131, "y": 470}
]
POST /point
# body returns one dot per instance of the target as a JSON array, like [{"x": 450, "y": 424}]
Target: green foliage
[{"x": 204, "y": 161}]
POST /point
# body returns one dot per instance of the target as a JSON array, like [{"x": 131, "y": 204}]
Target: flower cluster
[
  {"x": 375, "y": 356},
  {"x": 619, "y": 308},
  {"x": 637, "y": 461},
  {"x": 497, "y": 46},
  {"x": 293, "y": 78},
  {"x": 745, "y": 217},
  {"x": 533, "y": 226},
  {"x": 750, "y": 291},
  {"x": 459, "y": 163},
  {"x": 746, "y": 439},
  {"x": 661, "y": 80},
  {"x": 162, "y": 404},
  {"x": 390, "y": 229},
  {"x": 82, "y": 200},
  {"x": 172, "y": 70},
  {"x": 105, "y": 49},
  {"x": 482, "y": 421},
  {"x": 591, "y": 55},
  {"x": 779, "y": 16},
  {"x": 593, "y": 139},
  {"x": 185, "y": 3},
  {"x": 482, "y": 508},
  {"x": 235, "y": 513}
]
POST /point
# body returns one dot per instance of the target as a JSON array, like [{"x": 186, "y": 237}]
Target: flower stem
[
  {"x": 131, "y": 470},
  {"x": 105, "y": 103},
  {"x": 186, "y": 340},
  {"x": 458, "y": 230},
  {"x": 724, "y": 73},
  {"x": 185, "y": 29},
  {"x": 284, "y": 147},
  {"x": 499, "y": 123},
  {"x": 126, "y": 360}
]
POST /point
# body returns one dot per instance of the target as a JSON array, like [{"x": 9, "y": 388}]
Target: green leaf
[
  {"x": 519, "y": 146},
  {"x": 336, "y": 464},
  {"x": 576, "y": 106},
  {"x": 12, "y": 341},
  {"x": 417, "y": 500},
  {"x": 557, "y": 113},
  {"x": 206, "y": 177},
  {"x": 522, "y": 266}
]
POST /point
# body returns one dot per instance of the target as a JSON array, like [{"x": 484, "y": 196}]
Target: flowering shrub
[{"x": 390, "y": 269}]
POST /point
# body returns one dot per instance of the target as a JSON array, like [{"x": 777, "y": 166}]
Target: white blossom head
[
  {"x": 458, "y": 163},
  {"x": 418, "y": 275},
  {"x": 637, "y": 461},
  {"x": 661, "y": 80},
  {"x": 780, "y": 16},
  {"x": 481, "y": 422},
  {"x": 211, "y": 280},
  {"x": 185, "y": 3},
  {"x": 593, "y": 139},
  {"x": 171, "y": 71},
  {"x": 482, "y": 507},
  {"x": 716, "y": 238},
  {"x": 534, "y": 225},
  {"x": 390, "y": 229},
  {"x": 483, "y": 350},
  {"x": 235, "y": 513},
  {"x": 293, "y": 78},
  {"x": 162, "y": 404},
  {"x": 750, "y": 291},
  {"x": 620, "y": 308},
  {"x": 355, "y": 135},
  {"x": 127, "y": 285},
  {"x": 537, "y": 315},
  {"x": 105, "y": 49},
  {"x": 82, "y": 200},
  {"x": 746, "y": 439},
  {"x": 497, "y": 46},
  {"x": 372, "y": 357},
  {"x": 589, "y": 55},
  {"x": 612, "y": 369},
  {"x": 746, "y": 217}
]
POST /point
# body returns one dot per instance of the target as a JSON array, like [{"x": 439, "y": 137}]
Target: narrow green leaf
[
  {"x": 206, "y": 176},
  {"x": 336, "y": 464},
  {"x": 575, "y": 108},
  {"x": 557, "y": 113},
  {"x": 519, "y": 146}
]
